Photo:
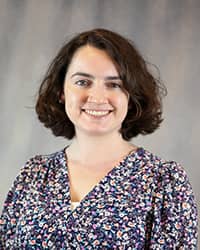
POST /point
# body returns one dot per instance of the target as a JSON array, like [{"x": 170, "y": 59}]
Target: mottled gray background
[{"x": 31, "y": 32}]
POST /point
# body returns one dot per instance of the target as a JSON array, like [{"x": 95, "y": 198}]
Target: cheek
[
  {"x": 121, "y": 103},
  {"x": 72, "y": 101}
]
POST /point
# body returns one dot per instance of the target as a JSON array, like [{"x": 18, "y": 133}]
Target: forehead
[{"x": 92, "y": 60}]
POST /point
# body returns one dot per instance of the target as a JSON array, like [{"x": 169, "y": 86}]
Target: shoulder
[
  {"x": 32, "y": 178},
  {"x": 36, "y": 169},
  {"x": 167, "y": 180},
  {"x": 166, "y": 177},
  {"x": 41, "y": 163},
  {"x": 172, "y": 199},
  {"x": 165, "y": 170}
]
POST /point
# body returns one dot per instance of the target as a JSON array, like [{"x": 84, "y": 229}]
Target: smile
[{"x": 97, "y": 113}]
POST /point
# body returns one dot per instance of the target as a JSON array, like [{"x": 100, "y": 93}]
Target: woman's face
[{"x": 95, "y": 100}]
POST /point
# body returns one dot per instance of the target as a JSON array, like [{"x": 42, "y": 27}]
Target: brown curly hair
[{"x": 146, "y": 91}]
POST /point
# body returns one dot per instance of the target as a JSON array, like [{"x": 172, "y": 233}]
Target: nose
[{"x": 97, "y": 94}]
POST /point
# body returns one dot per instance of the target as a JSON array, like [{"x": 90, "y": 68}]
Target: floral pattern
[{"x": 142, "y": 203}]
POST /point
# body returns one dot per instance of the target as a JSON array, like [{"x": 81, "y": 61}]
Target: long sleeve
[
  {"x": 143, "y": 203},
  {"x": 14, "y": 204},
  {"x": 175, "y": 211}
]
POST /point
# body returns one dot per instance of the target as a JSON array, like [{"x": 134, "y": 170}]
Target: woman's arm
[
  {"x": 175, "y": 211},
  {"x": 14, "y": 204}
]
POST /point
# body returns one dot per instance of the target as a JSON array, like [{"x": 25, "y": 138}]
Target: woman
[{"x": 101, "y": 191}]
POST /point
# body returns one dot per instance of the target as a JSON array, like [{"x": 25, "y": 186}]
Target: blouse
[{"x": 144, "y": 202}]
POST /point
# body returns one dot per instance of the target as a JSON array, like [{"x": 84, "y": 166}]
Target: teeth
[{"x": 97, "y": 113}]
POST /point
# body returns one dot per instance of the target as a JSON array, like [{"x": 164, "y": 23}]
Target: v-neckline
[{"x": 133, "y": 153}]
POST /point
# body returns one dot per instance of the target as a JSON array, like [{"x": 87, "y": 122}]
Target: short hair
[{"x": 144, "y": 113}]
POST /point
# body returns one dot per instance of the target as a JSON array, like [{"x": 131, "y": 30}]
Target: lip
[
  {"x": 97, "y": 110},
  {"x": 91, "y": 113}
]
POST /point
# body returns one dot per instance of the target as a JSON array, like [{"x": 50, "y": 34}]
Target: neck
[{"x": 95, "y": 149}]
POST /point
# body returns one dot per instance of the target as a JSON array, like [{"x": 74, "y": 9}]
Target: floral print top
[{"x": 142, "y": 203}]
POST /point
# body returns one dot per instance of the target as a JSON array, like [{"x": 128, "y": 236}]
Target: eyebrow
[{"x": 92, "y": 77}]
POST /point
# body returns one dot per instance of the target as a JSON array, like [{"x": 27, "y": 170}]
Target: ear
[{"x": 62, "y": 98}]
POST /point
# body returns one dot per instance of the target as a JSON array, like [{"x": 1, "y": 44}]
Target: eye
[
  {"x": 114, "y": 85},
  {"x": 82, "y": 82}
]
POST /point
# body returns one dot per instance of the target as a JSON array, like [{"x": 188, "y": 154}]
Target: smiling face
[{"x": 95, "y": 100}]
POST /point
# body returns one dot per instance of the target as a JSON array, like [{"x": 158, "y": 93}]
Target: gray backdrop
[{"x": 31, "y": 32}]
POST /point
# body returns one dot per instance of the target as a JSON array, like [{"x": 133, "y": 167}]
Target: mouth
[{"x": 97, "y": 113}]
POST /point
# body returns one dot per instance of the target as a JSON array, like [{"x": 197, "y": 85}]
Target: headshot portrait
[{"x": 106, "y": 154}]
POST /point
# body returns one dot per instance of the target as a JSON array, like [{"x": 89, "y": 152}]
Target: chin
[
  {"x": 96, "y": 133},
  {"x": 100, "y": 131}
]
